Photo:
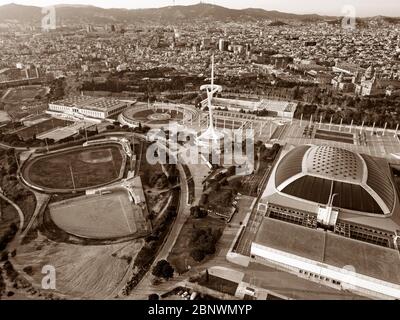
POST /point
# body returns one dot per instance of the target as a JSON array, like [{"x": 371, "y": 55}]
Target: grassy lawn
[
  {"x": 54, "y": 171},
  {"x": 18, "y": 94},
  {"x": 179, "y": 256},
  {"x": 97, "y": 217}
]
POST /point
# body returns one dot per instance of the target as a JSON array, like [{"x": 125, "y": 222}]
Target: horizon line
[{"x": 187, "y": 5}]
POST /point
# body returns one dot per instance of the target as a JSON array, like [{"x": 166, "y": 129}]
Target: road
[
  {"x": 268, "y": 278},
  {"x": 219, "y": 259},
  {"x": 182, "y": 215},
  {"x": 41, "y": 202},
  {"x": 6, "y": 146},
  {"x": 20, "y": 213},
  {"x": 144, "y": 287}
]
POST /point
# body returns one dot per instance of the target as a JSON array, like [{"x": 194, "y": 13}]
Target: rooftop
[
  {"x": 90, "y": 103},
  {"x": 367, "y": 259},
  {"x": 361, "y": 183},
  {"x": 335, "y": 163}
]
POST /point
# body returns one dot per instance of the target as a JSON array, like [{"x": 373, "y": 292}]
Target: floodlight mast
[{"x": 212, "y": 72}]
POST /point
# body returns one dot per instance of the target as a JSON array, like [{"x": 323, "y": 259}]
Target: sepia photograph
[{"x": 204, "y": 158}]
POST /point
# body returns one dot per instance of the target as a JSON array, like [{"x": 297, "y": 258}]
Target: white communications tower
[{"x": 210, "y": 134}]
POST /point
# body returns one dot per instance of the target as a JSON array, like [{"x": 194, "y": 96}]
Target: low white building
[
  {"x": 277, "y": 108},
  {"x": 89, "y": 107},
  {"x": 328, "y": 259}
]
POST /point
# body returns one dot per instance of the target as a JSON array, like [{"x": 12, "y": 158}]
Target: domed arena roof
[
  {"x": 311, "y": 173},
  {"x": 334, "y": 163}
]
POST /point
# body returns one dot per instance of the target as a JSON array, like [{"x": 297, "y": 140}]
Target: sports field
[
  {"x": 64, "y": 131},
  {"x": 25, "y": 92},
  {"x": 42, "y": 127},
  {"x": 104, "y": 216},
  {"x": 154, "y": 116},
  {"x": 79, "y": 168}
]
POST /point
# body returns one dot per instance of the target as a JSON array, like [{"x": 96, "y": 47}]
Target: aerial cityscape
[{"x": 199, "y": 152}]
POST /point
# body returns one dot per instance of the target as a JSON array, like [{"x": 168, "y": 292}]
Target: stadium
[
  {"x": 357, "y": 247},
  {"x": 108, "y": 214},
  {"x": 76, "y": 168},
  {"x": 158, "y": 115}
]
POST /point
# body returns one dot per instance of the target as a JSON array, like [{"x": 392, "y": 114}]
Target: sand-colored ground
[
  {"x": 4, "y": 116},
  {"x": 92, "y": 272}
]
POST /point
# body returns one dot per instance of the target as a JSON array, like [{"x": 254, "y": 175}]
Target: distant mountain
[
  {"x": 277, "y": 24},
  {"x": 385, "y": 20},
  {"x": 170, "y": 14},
  {"x": 19, "y": 13}
]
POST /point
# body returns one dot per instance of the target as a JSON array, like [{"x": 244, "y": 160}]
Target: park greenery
[
  {"x": 153, "y": 242},
  {"x": 203, "y": 242},
  {"x": 163, "y": 269}
]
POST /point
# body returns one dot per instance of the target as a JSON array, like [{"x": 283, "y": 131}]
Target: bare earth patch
[{"x": 92, "y": 272}]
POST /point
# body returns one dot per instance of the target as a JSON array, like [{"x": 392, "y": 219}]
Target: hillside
[
  {"x": 81, "y": 14},
  {"x": 171, "y": 14}
]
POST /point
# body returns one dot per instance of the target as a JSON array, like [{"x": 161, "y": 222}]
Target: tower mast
[{"x": 210, "y": 94}]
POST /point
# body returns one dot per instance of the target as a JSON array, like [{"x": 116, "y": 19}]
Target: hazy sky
[{"x": 332, "y": 7}]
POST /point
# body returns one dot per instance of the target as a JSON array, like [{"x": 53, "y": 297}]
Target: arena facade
[
  {"x": 87, "y": 107},
  {"x": 357, "y": 247}
]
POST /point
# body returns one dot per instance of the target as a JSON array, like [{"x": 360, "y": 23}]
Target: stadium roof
[
  {"x": 312, "y": 173},
  {"x": 90, "y": 103},
  {"x": 326, "y": 247}
]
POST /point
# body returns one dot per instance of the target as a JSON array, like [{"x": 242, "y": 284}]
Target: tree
[
  {"x": 28, "y": 270},
  {"x": 163, "y": 269},
  {"x": 151, "y": 215},
  {"x": 197, "y": 254},
  {"x": 198, "y": 212},
  {"x": 154, "y": 296},
  {"x": 209, "y": 247}
]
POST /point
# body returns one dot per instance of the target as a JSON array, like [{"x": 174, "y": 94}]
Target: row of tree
[{"x": 146, "y": 255}]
